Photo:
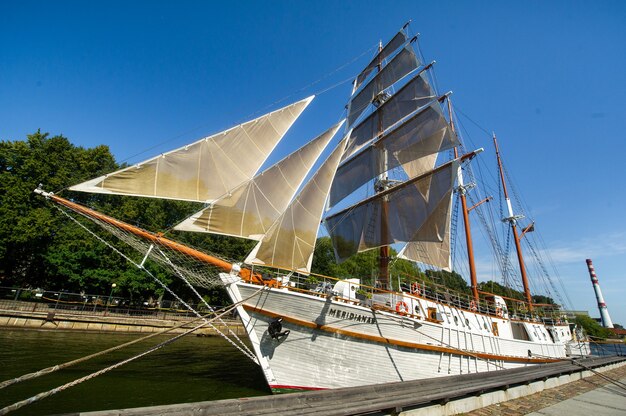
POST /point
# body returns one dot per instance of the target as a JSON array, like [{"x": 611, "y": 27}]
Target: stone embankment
[{"x": 34, "y": 315}]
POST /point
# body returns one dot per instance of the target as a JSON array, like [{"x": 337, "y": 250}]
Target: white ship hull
[{"x": 333, "y": 343}]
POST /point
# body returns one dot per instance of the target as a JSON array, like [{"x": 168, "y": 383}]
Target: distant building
[
  {"x": 574, "y": 314},
  {"x": 618, "y": 332}
]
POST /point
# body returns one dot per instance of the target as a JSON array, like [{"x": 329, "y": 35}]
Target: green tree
[
  {"x": 591, "y": 327},
  {"x": 28, "y": 227}
]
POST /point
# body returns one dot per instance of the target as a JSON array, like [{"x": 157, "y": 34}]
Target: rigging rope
[
  {"x": 246, "y": 352},
  {"x": 193, "y": 289}
]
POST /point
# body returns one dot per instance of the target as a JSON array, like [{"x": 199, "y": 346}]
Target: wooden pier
[{"x": 431, "y": 396}]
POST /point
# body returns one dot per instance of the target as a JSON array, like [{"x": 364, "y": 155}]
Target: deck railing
[{"x": 369, "y": 296}]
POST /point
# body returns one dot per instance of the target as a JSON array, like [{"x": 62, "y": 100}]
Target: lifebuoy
[
  {"x": 402, "y": 308},
  {"x": 499, "y": 311},
  {"x": 473, "y": 306}
]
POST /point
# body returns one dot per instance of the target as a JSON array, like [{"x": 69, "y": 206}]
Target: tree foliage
[
  {"x": 591, "y": 327},
  {"x": 362, "y": 265}
]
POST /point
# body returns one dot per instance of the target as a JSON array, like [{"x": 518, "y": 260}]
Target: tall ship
[{"x": 393, "y": 183}]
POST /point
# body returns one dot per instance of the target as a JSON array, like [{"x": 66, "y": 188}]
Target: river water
[{"x": 188, "y": 370}]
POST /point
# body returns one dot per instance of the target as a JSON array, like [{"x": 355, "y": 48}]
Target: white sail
[
  {"x": 397, "y": 41},
  {"x": 290, "y": 242},
  {"x": 401, "y": 64},
  {"x": 206, "y": 169},
  {"x": 420, "y": 137},
  {"x": 428, "y": 252},
  {"x": 415, "y": 94},
  {"x": 414, "y": 213},
  {"x": 250, "y": 209}
]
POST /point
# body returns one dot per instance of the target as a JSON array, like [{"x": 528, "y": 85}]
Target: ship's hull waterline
[{"x": 333, "y": 343}]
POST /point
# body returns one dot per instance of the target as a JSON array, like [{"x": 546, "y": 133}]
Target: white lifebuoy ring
[
  {"x": 402, "y": 308},
  {"x": 499, "y": 312},
  {"x": 473, "y": 306}
]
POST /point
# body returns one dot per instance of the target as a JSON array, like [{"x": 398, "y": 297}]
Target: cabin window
[{"x": 494, "y": 327}]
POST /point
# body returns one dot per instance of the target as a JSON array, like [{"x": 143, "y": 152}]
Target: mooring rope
[
  {"x": 56, "y": 390},
  {"x": 57, "y": 367}
]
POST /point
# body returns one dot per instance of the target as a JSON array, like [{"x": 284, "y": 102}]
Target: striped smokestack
[{"x": 604, "y": 312}]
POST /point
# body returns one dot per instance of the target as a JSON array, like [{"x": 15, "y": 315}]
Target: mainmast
[
  {"x": 512, "y": 220},
  {"x": 462, "y": 189},
  {"x": 381, "y": 185}
]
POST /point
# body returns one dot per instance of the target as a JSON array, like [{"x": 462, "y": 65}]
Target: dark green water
[{"x": 189, "y": 370}]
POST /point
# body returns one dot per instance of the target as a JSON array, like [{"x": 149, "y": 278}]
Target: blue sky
[{"x": 548, "y": 77}]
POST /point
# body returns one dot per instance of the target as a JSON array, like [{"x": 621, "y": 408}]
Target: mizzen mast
[
  {"x": 462, "y": 190},
  {"x": 512, "y": 220}
]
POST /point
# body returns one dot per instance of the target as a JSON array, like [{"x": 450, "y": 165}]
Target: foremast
[{"x": 512, "y": 220}]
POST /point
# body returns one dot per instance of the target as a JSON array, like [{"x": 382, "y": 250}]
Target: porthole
[
  {"x": 456, "y": 320},
  {"x": 467, "y": 322}
]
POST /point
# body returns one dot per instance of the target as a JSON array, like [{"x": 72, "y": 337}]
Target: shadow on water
[{"x": 191, "y": 369}]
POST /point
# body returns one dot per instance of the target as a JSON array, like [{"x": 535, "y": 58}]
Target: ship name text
[{"x": 351, "y": 316}]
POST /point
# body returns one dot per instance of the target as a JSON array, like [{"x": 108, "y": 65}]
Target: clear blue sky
[{"x": 548, "y": 77}]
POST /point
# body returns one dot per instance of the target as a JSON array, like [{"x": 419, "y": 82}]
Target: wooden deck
[{"x": 391, "y": 398}]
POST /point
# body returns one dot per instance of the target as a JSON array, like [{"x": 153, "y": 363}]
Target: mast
[
  {"x": 512, "y": 220},
  {"x": 382, "y": 185},
  {"x": 468, "y": 234}
]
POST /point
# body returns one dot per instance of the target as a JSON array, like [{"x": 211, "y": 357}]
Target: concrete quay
[
  {"x": 492, "y": 393},
  {"x": 588, "y": 396},
  {"x": 39, "y": 316}
]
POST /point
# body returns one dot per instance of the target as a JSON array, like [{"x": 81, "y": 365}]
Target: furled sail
[
  {"x": 401, "y": 64},
  {"x": 414, "y": 213},
  {"x": 428, "y": 252},
  {"x": 422, "y": 136},
  {"x": 204, "y": 170},
  {"x": 291, "y": 240},
  {"x": 250, "y": 209},
  {"x": 397, "y": 41},
  {"x": 415, "y": 94}
]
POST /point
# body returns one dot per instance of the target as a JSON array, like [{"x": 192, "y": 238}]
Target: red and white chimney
[{"x": 604, "y": 312}]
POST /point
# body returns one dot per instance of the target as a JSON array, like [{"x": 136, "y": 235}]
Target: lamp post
[{"x": 113, "y": 286}]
